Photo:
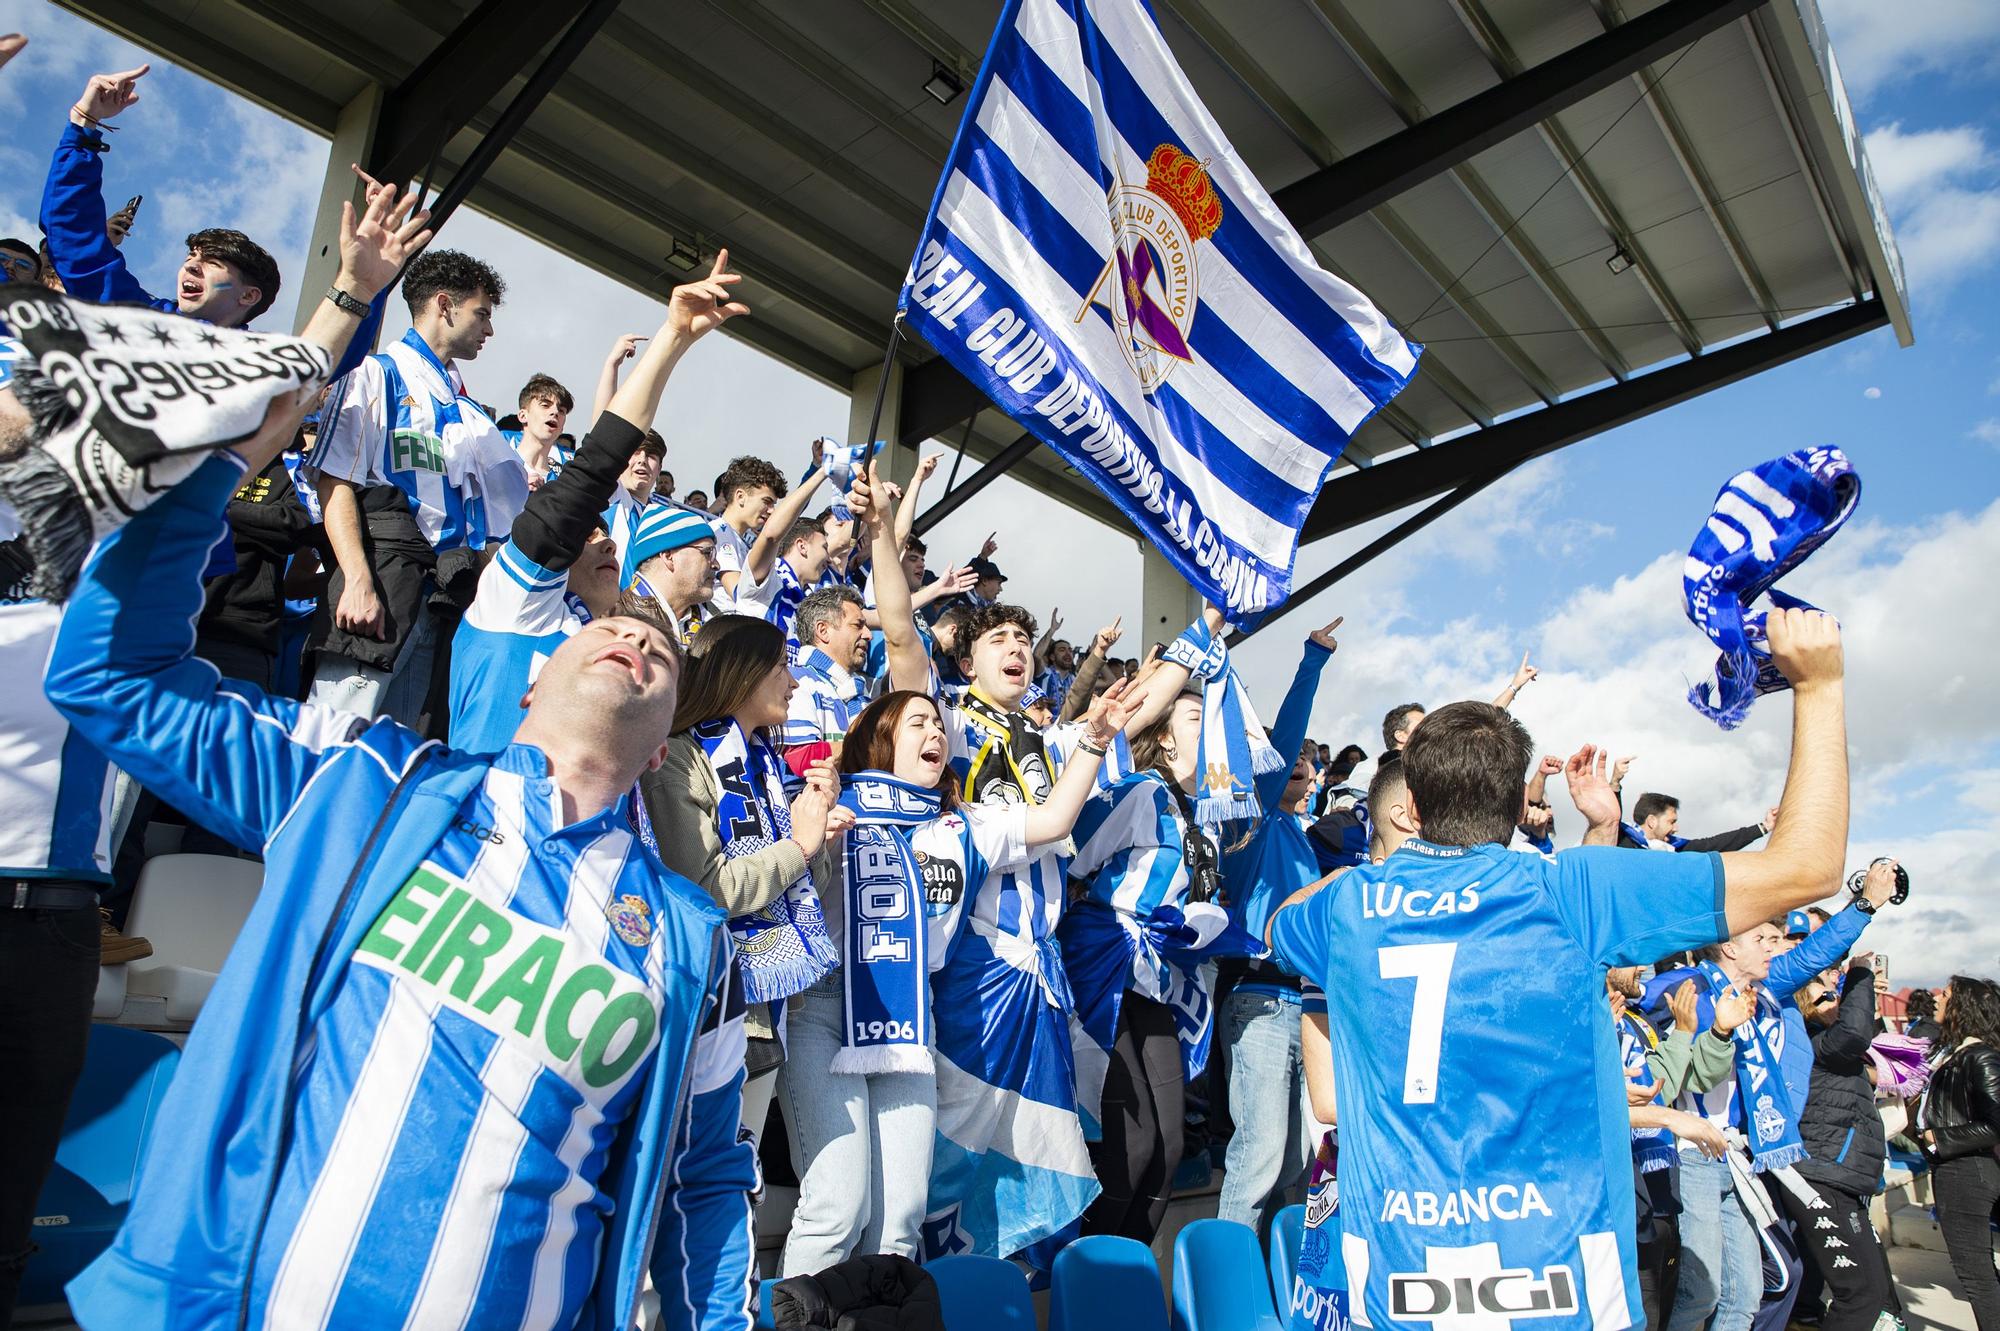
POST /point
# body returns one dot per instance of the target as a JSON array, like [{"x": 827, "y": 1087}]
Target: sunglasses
[{"x": 14, "y": 263}]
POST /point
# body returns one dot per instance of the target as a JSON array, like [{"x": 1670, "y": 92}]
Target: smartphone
[
  {"x": 132, "y": 204},
  {"x": 1882, "y": 968}
]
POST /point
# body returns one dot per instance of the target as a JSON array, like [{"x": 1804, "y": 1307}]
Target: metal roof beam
[
  {"x": 1359, "y": 183},
  {"x": 1400, "y": 482}
]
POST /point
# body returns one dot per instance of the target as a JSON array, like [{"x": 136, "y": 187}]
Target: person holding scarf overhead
[
  {"x": 1010, "y": 1166},
  {"x": 719, "y": 809},
  {"x": 859, "y": 1080},
  {"x": 1136, "y": 948}
]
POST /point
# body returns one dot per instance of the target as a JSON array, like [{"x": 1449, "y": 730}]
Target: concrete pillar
[
  {"x": 897, "y": 463},
  {"x": 1167, "y": 602},
  {"x": 353, "y": 142}
]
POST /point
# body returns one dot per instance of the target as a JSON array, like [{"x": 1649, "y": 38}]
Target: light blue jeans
[
  {"x": 1273, "y": 1142},
  {"x": 1722, "y": 1264},
  {"x": 861, "y": 1145}
]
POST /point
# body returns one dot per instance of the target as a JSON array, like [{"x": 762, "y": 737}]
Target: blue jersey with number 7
[{"x": 1485, "y": 1164}]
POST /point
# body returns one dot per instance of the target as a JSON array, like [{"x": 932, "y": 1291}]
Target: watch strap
[{"x": 358, "y": 308}]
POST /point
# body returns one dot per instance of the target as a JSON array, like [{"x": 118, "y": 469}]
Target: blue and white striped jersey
[
  {"x": 522, "y": 613},
  {"x": 57, "y": 785},
  {"x": 1486, "y": 1175},
  {"x": 402, "y": 418},
  {"x": 467, "y": 1081},
  {"x": 1130, "y": 844},
  {"x": 956, "y": 854}
]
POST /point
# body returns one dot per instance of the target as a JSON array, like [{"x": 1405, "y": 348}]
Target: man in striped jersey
[
  {"x": 468, "y": 1063},
  {"x": 560, "y": 569}
]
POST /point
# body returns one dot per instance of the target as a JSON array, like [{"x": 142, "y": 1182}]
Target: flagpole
[{"x": 881, "y": 392}]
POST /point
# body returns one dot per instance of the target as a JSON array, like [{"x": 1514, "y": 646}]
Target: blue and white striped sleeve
[
  {"x": 517, "y": 595},
  {"x": 354, "y": 425}
]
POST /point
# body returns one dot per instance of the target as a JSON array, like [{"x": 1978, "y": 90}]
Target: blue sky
[{"x": 1574, "y": 558}]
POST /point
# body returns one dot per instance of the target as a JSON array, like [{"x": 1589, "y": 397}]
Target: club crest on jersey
[
  {"x": 1467, "y": 1289},
  {"x": 630, "y": 919}
]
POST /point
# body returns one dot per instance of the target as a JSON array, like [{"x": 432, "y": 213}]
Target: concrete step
[{"x": 1912, "y": 1227}]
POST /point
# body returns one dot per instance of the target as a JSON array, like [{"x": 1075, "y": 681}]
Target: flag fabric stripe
[{"x": 1101, "y": 263}]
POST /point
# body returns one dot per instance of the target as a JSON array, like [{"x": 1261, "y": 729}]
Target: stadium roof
[{"x": 1587, "y": 209}]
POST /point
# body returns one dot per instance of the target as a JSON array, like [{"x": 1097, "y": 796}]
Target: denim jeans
[
  {"x": 1273, "y": 1142},
  {"x": 861, "y": 1145},
  {"x": 1722, "y": 1263}
]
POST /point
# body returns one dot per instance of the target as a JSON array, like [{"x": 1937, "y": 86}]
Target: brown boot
[{"x": 114, "y": 948}]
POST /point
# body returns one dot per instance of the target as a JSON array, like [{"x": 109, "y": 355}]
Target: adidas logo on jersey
[
  {"x": 1467, "y": 1289},
  {"x": 535, "y": 987}
]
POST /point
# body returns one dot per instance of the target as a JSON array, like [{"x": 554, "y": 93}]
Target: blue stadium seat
[
  {"x": 104, "y": 1140},
  {"x": 1105, "y": 1277},
  {"x": 767, "y": 1320},
  {"x": 1288, "y": 1233},
  {"x": 983, "y": 1294},
  {"x": 1220, "y": 1283}
]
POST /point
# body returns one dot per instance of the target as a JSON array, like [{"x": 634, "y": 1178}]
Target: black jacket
[
  {"x": 1962, "y": 1106},
  {"x": 873, "y": 1293},
  {"x": 1839, "y": 1125},
  {"x": 1736, "y": 840}
]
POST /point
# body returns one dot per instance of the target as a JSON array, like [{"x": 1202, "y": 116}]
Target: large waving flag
[{"x": 1104, "y": 266}]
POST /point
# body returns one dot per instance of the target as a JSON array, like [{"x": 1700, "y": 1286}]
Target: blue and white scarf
[
  {"x": 1761, "y": 1107},
  {"x": 840, "y": 460},
  {"x": 1644, "y": 842},
  {"x": 1766, "y": 521},
  {"x": 886, "y": 1012},
  {"x": 1235, "y": 751},
  {"x": 784, "y": 608},
  {"x": 784, "y": 947},
  {"x": 835, "y": 696},
  {"x": 1652, "y": 1148}
]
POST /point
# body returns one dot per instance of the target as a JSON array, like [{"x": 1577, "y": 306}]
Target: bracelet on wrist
[
  {"x": 1090, "y": 746},
  {"x": 350, "y": 304}
]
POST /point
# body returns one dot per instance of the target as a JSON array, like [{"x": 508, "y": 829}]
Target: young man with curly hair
[{"x": 415, "y": 481}]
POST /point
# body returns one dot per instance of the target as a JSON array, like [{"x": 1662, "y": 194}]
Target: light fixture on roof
[
  {"x": 1619, "y": 261},
  {"x": 683, "y": 256},
  {"x": 943, "y": 84}
]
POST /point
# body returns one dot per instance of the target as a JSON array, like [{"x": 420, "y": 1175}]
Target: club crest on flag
[
  {"x": 630, "y": 919},
  {"x": 1153, "y": 294}
]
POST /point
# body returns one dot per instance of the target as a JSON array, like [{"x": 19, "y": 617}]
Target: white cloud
[
  {"x": 1880, "y": 43},
  {"x": 1987, "y": 431},
  {"x": 1871, "y": 393},
  {"x": 1941, "y": 192}
]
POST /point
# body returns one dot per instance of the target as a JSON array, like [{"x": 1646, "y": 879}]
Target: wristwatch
[
  {"x": 1864, "y": 905},
  {"x": 341, "y": 300}
]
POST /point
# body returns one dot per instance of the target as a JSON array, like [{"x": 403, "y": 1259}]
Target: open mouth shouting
[{"x": 627, "y": 657}]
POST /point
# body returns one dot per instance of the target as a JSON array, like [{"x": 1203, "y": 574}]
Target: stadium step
[{"x": 1911, "y": 1226}]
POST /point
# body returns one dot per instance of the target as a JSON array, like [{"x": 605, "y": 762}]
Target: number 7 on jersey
[{"x": 1429, "y": 964}]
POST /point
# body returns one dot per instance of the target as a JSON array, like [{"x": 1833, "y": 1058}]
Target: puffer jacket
[
  {"x": 1962, "y": 1106},
  {"x": 1839, "y": 1125}
]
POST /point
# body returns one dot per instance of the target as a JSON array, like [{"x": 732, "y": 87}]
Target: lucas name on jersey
[
  {"x": 538, "y": 990},
  {"x": 1386, "y": 901}
]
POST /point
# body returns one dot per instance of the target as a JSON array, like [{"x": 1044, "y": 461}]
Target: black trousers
[
  {"x": 1853, "y": 1269},
  {"x": 48, "y": 975},
  {"x": 1966, "y": 1189},
  {"x": 1145, "y": 1100},
  {"x": 1659, "y": 1237}
]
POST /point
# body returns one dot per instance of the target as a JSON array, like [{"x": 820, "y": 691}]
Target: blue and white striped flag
[{"x": 1102, "y": 264}]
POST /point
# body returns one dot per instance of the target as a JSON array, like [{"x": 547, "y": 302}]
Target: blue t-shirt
[{"x": 1486, "y": 1161}]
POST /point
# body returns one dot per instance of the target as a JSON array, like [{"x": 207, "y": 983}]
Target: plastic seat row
[{"x": 1222, "y": 1282}]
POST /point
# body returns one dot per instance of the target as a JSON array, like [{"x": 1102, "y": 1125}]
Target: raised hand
[
  {"x": 1683, "y": 1003},
  {"x": 1770, "y": 820},
  {"x": 106, "y": 95},
  {"x": 958, "y": 578},
  {"x": 1880, "y": 883},
  {"x": 10, "y": 46},
  {"x": 625, "y": 348},
  {"x": 927, "y": 468},
  {"x": 989, "y": 545},
  {"x": 375, "y": 244},
  {"x": 1108, "y": 636},
  {"x": 1732, "y": 1009},
  {"x": 701, "y": 306},
  {"x": 1619, "y": 769},
  {"x": 1111, "y": 711},
  {"x": 1588, "y": 789},
  {"x": 1805, "y": 646},
  {"x": 1055, "y": 620},
  {"x": 1522, "y": 674},
  {"x": 1324, "y": 637},
  {"x": 1550, "y": 765}
]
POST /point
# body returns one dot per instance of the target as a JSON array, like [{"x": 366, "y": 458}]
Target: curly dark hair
[
  {"x": 748, "y": 473},
  {"x": 980, "y": 620},
  {"x": 1972, "y": 1012},
  {"x": 248, "y": 258},
  {"x": 457, "y": 275}
]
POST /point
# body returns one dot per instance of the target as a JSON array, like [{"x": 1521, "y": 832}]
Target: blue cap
[
  {"x": 1797, "y": 924},
  {"x": 1033, "y": 696},
  {"x": 664, "y": 527}
]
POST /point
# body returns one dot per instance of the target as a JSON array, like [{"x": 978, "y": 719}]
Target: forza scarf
[{"x": 885, "y": 990}]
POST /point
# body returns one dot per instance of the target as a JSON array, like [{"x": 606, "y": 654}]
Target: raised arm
[
  {"x": 1089, "y": 668},
  {"x": 906, "y": 507},
  {"x": 1593, "y": 796},
  {"x": 763, "y": 554},
  {"x": 1164, "y": 684},
  {"x": 1802, "y": 860},
  {"x": 1052, "y": 819},
  {"x": 622, "y": 350},
  {"x": 1522, "y": 674},
  {"x": 1288, "y": 731},
  {"x": 73, "y": 212},
  {"x": 909, "y": 661}
]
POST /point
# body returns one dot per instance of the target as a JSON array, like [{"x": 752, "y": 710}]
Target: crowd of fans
[{"x": 957, "y": 860}]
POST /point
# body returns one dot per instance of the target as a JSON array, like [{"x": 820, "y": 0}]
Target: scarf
[
  {"x": 1234, "y": 748},
  {"x": 1643, "y": 842},
  {"x": 885, "y": 991},
  {"x": 1652, "y": 1148},
  {"x": 126, "y": 401},
  {"x": 1762, "y": 1107},
  {"x": 1011, "y": 763},
  {"x": 1766, "y": 521},
  {"x": 784, "y": 608},
  {"x": 836, "y": 697},
  {"x": 782, "y": 948},
  {"x": 839, "y": 461}
]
